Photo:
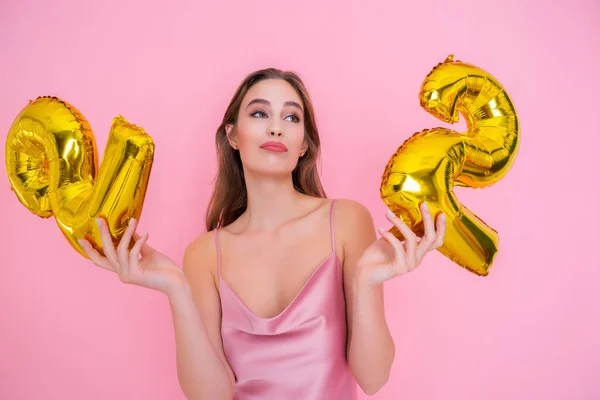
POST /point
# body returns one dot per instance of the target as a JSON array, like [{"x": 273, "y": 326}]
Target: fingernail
[
  {"x": 380, "y": 229},
  {"x": 390, "y": 213},
  {"x": 98, "y": 221},
  {"x": 443, "y": 217},
  {"x": 425, "y": 207},
  {"x": 131, "y": 221}
]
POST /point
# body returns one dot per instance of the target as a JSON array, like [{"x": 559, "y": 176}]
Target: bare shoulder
[
  {"x": 353, "y": 224},
  {"x": 351, "y": 215},
  {"x": 200, "y": 256}
]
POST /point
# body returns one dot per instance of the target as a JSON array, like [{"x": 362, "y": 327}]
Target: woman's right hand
[{"x": 152, "y": 270}]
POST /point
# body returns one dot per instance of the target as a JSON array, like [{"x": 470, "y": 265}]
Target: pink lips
[{"x": 274, "y": 146}]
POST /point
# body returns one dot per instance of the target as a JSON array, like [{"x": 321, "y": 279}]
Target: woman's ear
[
  {"x": 230, "y": 132},
  {"x": 304, "y": 148}
]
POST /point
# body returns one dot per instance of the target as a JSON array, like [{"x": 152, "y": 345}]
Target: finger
[
  {"x": 134, "y": 254},
  {"x": 441, "y": 230},
  {"x": 409, "y": 237},
  {"x": 429, "y": 237},
  {"x": 402, "y": 227},
  {"x": 146, "y": 249},
  {"x": 399, "y": 262},
  {"x": 94, "y": 256},
  {"x": 107, "y": 244},
  {"x": 123, "y": 248}
]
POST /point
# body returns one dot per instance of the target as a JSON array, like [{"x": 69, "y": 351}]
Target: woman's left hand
[{"x": 388, "y": 257}]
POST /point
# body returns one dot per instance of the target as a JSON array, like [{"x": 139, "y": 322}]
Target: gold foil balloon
[
  {"x": 428, "y": 165},
  {"x": 52, "y": 165}
]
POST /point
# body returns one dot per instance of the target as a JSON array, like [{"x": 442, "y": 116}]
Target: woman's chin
[{"x": 271, "y": 169}]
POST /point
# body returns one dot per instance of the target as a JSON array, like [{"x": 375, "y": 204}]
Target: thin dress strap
[
  {"x": 218, "y": 252},
  {"x": 331, "y": 228}
]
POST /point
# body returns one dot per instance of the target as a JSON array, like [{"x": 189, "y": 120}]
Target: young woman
[{"x": 282, "y": 298}]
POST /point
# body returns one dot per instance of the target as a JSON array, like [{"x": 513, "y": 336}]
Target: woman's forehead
[{"x": 275, "y": 91}]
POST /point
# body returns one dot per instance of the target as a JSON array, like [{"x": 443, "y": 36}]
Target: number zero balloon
[
  {"x": 428, "y": 165},
  {"x": 52, "y": 166}
]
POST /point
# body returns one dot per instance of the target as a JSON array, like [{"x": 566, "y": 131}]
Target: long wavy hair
[{"x": 229, "y": 198}]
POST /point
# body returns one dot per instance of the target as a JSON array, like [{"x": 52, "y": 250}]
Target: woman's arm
[
  {"x": 367, "y": 264},
  {"x": 370, "y": 348},
  {"x": 202, "y": 368}
]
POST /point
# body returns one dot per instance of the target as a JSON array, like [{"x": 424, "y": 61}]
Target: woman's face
[{"x": 269, "y": 133}]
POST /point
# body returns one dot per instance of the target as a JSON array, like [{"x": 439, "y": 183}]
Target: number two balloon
[
  {"x": 52, "y": 165},
  {"x": 428, "y": 165}
]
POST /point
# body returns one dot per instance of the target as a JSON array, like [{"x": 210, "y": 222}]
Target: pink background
[{"x": 529, "y": 330}]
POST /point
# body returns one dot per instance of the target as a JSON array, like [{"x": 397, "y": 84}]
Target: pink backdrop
[{"x": 528, "y": 331}]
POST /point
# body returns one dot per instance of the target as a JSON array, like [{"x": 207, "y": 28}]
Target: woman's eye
[
  {"x": 294, "y": 118},
  {"x": 259, "y": 114}
]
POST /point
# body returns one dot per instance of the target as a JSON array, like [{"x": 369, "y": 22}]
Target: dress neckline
[{"x": 222, "y": 282}]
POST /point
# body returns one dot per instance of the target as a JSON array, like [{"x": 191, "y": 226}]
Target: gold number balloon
[
  {"x": 428, "y": 165},
  {"x": 52, "y": 165}
]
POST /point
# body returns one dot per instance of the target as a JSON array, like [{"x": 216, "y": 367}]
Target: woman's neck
[{"x": 272, "y": 201}]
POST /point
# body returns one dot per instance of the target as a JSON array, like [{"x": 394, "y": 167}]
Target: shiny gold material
[
  {"x": 52, "y": 165},
  {"x": 428, "y": 165}
]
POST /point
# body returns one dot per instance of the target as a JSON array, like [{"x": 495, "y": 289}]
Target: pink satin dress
[{"x": 299, "y": 354}]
